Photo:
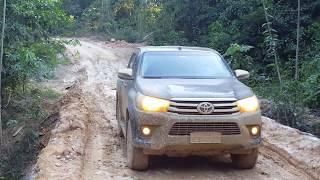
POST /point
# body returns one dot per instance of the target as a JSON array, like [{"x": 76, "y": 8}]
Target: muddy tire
[
  {"x": 245, "y": 161},
  {"x": 136, "y": 159},
  {"x": 118, "y": 117}
]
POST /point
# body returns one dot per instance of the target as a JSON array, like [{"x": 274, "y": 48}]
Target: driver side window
[{"x": 133, "y": 57}]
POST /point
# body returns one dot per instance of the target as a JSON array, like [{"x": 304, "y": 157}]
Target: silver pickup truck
[{"x": 181, "y": 101}]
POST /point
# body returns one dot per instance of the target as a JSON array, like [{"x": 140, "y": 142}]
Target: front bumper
[{"x": 160, "y": 142}]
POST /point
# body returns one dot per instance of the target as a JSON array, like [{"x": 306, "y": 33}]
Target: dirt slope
[{"x": 85, "y": 144}]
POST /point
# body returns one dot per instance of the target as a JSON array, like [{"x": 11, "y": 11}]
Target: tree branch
[{"x": 297, "y": 45}]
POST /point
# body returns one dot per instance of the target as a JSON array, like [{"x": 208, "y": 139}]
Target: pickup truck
[{"x": 182, "y": 101}]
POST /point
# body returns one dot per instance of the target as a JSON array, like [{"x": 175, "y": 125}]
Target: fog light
[
  {"x": 146, "y": 131},
  {"x": 255, "y": 130}
]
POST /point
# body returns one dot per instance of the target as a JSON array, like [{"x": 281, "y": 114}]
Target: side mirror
[
  {"x": 125, "y": 74},
  {"x": 242, "y": 74}
]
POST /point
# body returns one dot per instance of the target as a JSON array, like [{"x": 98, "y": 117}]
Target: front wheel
[
  {"x": 245, "y": 161},
  {"x": 136, "y": 159}
]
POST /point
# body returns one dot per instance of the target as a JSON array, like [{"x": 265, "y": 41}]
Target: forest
[{"x": 277, "y": 41}]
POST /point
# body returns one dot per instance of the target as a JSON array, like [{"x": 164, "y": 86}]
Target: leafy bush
[
  {"x": 35, "y": 61},
  {"x": 311, "y": 84},
  {"x": 22, "y": 109},
  {"x": 169, "y": 38},
  {"x": 219, "y": 39},
  {"x": 238, "y": 57},
  {"x": 29, "y": 54},
  {"x": 127, "y": 34}
]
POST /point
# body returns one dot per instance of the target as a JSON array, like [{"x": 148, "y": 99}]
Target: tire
[
  {"x": 245, "y": 161},
  {"x": 136, "y": 159},
  {"x": 118, "y": 117}
]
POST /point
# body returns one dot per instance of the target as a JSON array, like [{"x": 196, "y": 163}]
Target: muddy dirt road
[{"x": 85, "y": 143}]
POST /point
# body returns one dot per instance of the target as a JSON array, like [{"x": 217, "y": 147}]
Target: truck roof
[{"x": 175, "y": 48}]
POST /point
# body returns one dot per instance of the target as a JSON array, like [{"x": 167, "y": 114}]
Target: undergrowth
[{"x": 23, "y": 110}]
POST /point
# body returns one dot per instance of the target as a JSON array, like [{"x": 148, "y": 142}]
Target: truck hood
[{"x": 193, "y": 88}]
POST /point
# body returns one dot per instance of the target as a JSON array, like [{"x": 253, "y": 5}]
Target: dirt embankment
[{"x": 85, "y": 143}]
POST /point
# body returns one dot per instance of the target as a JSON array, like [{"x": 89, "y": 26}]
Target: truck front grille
[
  {"x": 185, "y": 128},
  {"x": 221, "y": 107}
]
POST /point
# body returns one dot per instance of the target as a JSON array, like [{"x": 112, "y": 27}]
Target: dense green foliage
[
  {"x": 25, "y": 110},
  {"x": 257, "y": 35},
  {"x": 30, "y": 53}
]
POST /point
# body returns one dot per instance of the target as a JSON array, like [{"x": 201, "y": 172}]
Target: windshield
[{"x": 204, "y": 65}]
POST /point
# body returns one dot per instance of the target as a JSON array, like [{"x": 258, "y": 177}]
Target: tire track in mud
[
  {"x": 102, "y": 142},
  {"x": 101, "y": 155},
  {"x": 275, "y": 153},
  {"x": 96, "y": 143}
]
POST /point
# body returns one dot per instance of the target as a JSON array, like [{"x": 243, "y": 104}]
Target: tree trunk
[
  {"x": 1, "y": 59},
  {"x": 276, "y": 61},
  {"x": 298, "y": 41}
]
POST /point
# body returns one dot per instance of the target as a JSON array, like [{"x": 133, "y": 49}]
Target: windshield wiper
[
  {"x": 153, "y": 77},
  {"x": 179, "y": 77}
]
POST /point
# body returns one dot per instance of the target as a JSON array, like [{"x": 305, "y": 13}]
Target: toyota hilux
[{"x": 181, "y": 101}]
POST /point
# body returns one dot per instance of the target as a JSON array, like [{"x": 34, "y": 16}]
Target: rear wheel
[
  {"x": 245, "y": 161},
  {"x": 136, "y": 159},
  {"x": 118, "y": 117}
]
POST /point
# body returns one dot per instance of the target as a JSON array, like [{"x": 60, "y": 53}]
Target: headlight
[
  {"x": 153, "y": 104},
  {"x": 254, "y": 130},
  {"x": 146, "y": 130},
  {"x": 250, "y": 104}
]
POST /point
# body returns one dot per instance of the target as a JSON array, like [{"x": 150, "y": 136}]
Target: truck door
[{"x": 126, "y": 85}]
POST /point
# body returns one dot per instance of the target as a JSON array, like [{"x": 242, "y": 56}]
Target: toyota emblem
[{"x": 205, "y": 108}]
